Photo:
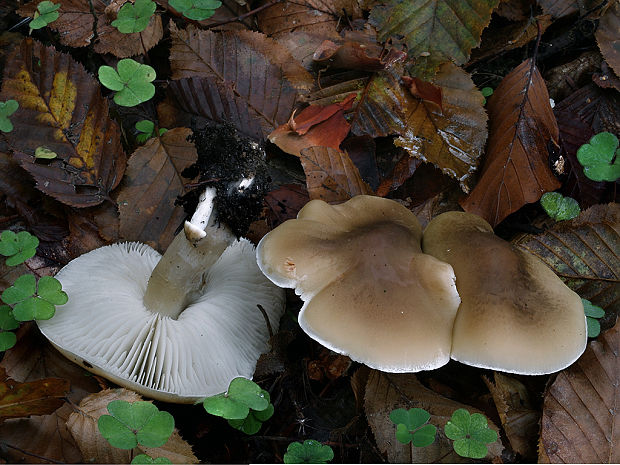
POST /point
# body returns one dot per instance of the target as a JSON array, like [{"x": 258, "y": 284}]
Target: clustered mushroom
[
  {"x": 377, "y": 289},
  {"x": 177, "y": 327}
]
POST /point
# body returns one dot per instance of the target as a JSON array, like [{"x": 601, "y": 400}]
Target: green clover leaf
[
  {"x": 131, "y": 81},
  {"x": 600, "y": 157},
  {"x": 196, "y": 9},
  {"x": 411, "y": 426},
  {"x": 44, "y": 153},
  {"x": 558, "y": 207},
  {"x": 29, "y": 306},
  {"x": 146, "y": 128},
  {"x": 255, "y": 419},
  {"x": 593, "y": 313},
  {"x": 130, "y": 424},
  {"x": 243, "y": 395},
  {"x": 18, "y": 247},
  {"x": 7, "y": 340},
  {"x": 310, "y": 451},
  {"x": 134, "y": 17},
  {"x": 147, "y": 459},
  {"x": 470, "y": 433},
  {"x": 7, "y": 109},
  {"x": 47, "y": 12},
  {"x": 7, "y": 320},
  {"x": 486, "y": 93}
]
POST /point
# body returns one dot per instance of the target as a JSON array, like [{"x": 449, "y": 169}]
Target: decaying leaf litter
[{"x": 343, "y": 98}]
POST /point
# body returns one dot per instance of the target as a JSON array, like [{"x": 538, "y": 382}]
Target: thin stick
[
  {"x": 31, "y": 454},
  {"x": 262, "y": 310}
]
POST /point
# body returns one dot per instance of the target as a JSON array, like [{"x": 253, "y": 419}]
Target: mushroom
[
  {"x": 515, "y": 315},
  {"x": 177, "y": 327},
  {"x": 368, "y": 290}
]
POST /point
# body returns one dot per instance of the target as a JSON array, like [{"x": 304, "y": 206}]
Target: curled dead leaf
[
  {"x": 95, "y": 449},
  {"x": 354, "y": 55}
]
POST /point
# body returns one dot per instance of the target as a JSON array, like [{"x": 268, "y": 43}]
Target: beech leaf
[
  {"x": 516, "y": 169},
  {"x": 61, "y": 108},
  {"x": 608, "y": 38},
  {"x": 579, "y": 422},
  {"x": 146, "y": 199},
  {"x": 435, "y": 31},
  {"x": 584, "y": 252}
]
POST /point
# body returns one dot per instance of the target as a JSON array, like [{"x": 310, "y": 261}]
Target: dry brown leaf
[
  {"x": 516, "y": 169},
  {"x": 313, "y": 16},
  {"x": 519, "y": 418},
  {"x": 222, "y": 15},
  {"x": 585, "y": 253},
  {"x": 95, "y": 449},
  {"x": 452, "y": 139},
  {"x": 514, "y": 10},
  {"x": 580, "y": 411},
  {"x": 284, "y": 203},
  {"x": 75, "y": 28},
  {"x": 331, "y": 175},
  {"x": 388, "y": 391},
  {"x": 61, "y": 108},
  {"x": 561, "y": 8},
  {"x": 314, "y": 126},
  {"x": 40, "y": 397},
  {"x": 206, "y": 67},
  {"x": 152, "y": 183},
  {"x": 302, "y": 45},
  {"x": 356, "y": 55},
  {"x": 608, "y": 37},
  {"x": 47, "y": 436}
]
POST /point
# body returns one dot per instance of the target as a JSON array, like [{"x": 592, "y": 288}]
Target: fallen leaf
[
  {"x": 355, "y": 55},
  {"x": 314, "y": 126},
  {"x": 516, "y": 169},
  {"x": 152, "y": 183},
  {"x": 404, "y": 168},
  {"x": 362, "y": 152},
  {"x": 205, "y": 66},
  {"x": 60, "y": 106},
  {"x": 608, "y": 38},
  {"x": 436, "y": 31},
  {"x": 452, "y": 139},
  {"x": 284, "y": 203},
  {"x": 46, "y": 436},
  {"x": 423, "y": 90},
  {"x": 76, "y": 23},
  {"x": 519, "y": 418},
  {"x": 95, "y": 449},
  {"x": 388, "y": 391},
  {"x": 514, "y": 10},
  {"x": 496, "y": 40},
  {"x": 222, "y": 15},
  {"x": 313, "y": 16},
  {"x": 302, "y": 45},
  {"x": 331, "y": 175},
  {"x": 562, "y": 8},
  {"x": 40, "y": 397},
  {"x": 579, "y": 421},
  {"x": 584, "y": 253}
]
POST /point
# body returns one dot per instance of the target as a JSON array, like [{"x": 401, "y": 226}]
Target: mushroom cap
[
  {"x": 368, "y": 290},
  {"x": 106, "y": 328},
  {"x": 516, "y": 315}
]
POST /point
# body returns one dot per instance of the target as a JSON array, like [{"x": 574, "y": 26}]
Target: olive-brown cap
[
  {"x": 515, "y": 315},
  {"x": 368, "y": 289}
]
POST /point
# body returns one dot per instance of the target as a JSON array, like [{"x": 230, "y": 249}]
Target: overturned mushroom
[
  {"x": 368, "y": 289},
  {"x": 516, "y": 315},
  {"x": 177, "y": 327}
]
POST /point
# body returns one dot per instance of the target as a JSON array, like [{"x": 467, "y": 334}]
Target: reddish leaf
[
  {"x": 39, "y": 397},
  {"x": 75, "y": 28},
  {"x": 403, "y": 170},
  {"x": 426, "y": 91},
  {"x": 284, "y": 203},
  {"x": 314, "y": 126},
  {"x": 516, "y": 170},
  {"x": 152, "y": 184},
  {"x": 331, "y": 175},
  {"x": 61, "y": 108},
  {"x": 354, "y": 55}
]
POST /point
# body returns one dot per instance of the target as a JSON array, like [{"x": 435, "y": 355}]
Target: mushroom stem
[{"x": 179, "y": 275}]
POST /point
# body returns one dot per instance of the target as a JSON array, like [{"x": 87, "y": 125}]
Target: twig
[
  {"x": 22, "y": 451},
  {"x": 262, "y": 310}
]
